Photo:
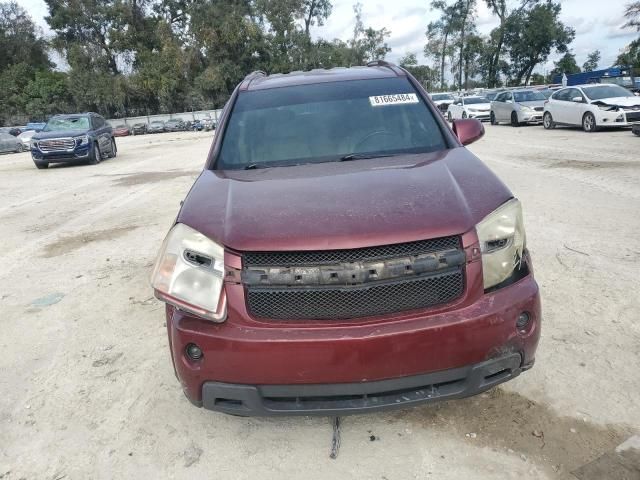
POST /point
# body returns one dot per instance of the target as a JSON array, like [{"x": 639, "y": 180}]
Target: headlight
[
  {"x": 189, "y": 273},
  {"x": 524, "y": 108},
  {"x": 608, "y": 108},
  {"x": 83, "y": 140},
  {"x": 502, "y": 242},
  {"x": 33, "y": 144}
]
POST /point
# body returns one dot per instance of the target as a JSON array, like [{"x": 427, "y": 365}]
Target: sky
[{"x": 597, "y": 23}]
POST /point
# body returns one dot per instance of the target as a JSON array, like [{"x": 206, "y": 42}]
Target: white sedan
[
  {"x": 592, "y": 107},
  {"x": 469, "y": 107}
]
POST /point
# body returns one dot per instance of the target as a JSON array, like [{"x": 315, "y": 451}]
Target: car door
[
  {"x": 496, "y": 105},
  {"x": 575, "y": 108},
  {"x": 508, "y": 107},
  {"x": 557, "y": 104},
  {"x": 456, "y": 108},
  {"x": 103, "y": 133}
]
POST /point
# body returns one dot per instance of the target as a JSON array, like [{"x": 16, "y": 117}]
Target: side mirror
[
  {"x": 468, "y": 130},
  {"x": 577, "y": 99}
]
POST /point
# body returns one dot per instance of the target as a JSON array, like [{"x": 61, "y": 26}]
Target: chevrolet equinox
[{"x": 343, "y": 252}]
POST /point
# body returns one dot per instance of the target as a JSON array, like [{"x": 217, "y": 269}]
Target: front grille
[
  {"x": 363, "y": 282},
  {"x": 324, "y": 303},
  {"x": 325, "y": 257},
  {"x": 633, "y": 116},
  {"x": 57, "y": 145}
]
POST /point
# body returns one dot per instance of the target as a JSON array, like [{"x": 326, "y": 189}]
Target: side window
[
  {"x": 508, "y": 97},
  {"x": 562, "y": 95},
  {"x": 499, "y": 98},
  {"x": 574, "y": 93},
  {"x": 98, "y": 122}
]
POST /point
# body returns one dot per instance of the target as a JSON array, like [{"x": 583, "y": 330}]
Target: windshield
[
  {"x": 327, "y": 121},
  {"x": 492, "y": 95},
  {"x": 73, "y": 123},
  {"x": 441, "y": 96},
  {"x": 475, "y": 100},
  {"x": 608, "y": 91},
  {"x": 157, "y": 123},
  {"x": 528, "y": 96}
]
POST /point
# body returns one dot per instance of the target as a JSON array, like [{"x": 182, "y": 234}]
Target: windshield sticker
[{"x": 395, "y": 99}]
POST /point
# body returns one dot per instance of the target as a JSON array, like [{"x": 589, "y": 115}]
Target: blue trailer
[{"x": 622, "y": 76}]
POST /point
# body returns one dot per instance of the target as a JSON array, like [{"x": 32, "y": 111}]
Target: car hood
[
  {"x": 535, "y": 103},
  {"x": 59, "y": 134},
  {"x": 619, "y": 101},
  {"x": 344, "y": 205}
]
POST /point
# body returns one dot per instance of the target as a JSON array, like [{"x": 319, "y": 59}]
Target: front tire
[
  {"x": 589, "y": 124},
  {"x": 449, "y": 117},
  {"x": 547, "y": 121},
  {"x": 492, "y": 119},
  {"x": 41, "y": 165},
  {"x": 514, "y": 120},
  {"x": 114, "y": 150},
  {"x": 95, "y": 157},
  {"x": 464, "y": 115}
]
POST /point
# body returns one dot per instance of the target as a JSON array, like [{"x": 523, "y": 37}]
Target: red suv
[{"x": 342, "y": 252}]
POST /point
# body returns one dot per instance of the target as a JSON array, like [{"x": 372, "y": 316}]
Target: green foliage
[
  {"x": 632, "y": 14},
  {"x": 425, "y": 75},
  {"x": 532, "y": 35},
  {"x": 630, "y": 55},
  {"x": 592, "y": 61},
  {"x": 566, "y": 64}
]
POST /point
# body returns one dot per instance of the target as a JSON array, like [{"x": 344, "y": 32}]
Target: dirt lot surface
[{"x": 87, "y": 387}]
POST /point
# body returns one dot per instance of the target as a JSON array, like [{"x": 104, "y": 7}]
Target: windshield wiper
[
  {"x": 255, "y": 166},
  {"x": 362, "y": 156}
]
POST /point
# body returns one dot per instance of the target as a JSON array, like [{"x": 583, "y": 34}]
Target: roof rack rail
[
  {"x": 383, "y": 63},
  {"x": 380, "y": 63},
  {"x": 256, "y": 73},
  {"x": 253, "y": 75}
]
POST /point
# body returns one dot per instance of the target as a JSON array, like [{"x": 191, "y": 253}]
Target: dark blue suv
[{"x": 82, "y": 137}]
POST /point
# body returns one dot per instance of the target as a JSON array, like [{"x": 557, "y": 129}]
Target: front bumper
[
  {"x": 363, "y": 397},
  {"x": 260, "y": 366},
  {"x": 80, "y": 154},
  {"x": 482, "y": 116},
  {"x": 531, "y": 117}
]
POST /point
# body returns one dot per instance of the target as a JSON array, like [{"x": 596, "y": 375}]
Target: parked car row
[
  {"x": 592, "y": 107},
  {"x": 159, "y": 126}
]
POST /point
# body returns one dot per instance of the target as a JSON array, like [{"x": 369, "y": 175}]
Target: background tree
[
  {"x": 630, "y": 55},
  {"x": 504, "y": 10},
  {"x": 632, "y": 14},
  {"x": 314, "y": 12},
  {"x": 566, "y": 64},
  {"x": 425, "y": 75},
  {"x": 439, "y": 34},
  {"x": 465, "y": 11},
  {"x": 593, "y": 59},
  {"x": 532, "y": 35}
]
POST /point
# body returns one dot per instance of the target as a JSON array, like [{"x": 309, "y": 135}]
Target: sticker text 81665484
[{"x": 394, "y": 99}]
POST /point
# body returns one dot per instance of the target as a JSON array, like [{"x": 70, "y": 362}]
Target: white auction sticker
[{"x": 394, "y": 99}]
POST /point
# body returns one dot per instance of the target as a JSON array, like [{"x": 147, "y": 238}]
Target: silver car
[
  {"x": 9, "y": 143},
  {"x": 518, "y": 107}
]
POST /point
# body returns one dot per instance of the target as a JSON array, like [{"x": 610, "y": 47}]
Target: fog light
[
  {"x": 523, "y": 321},
  {"x": 193, "y": 351}
]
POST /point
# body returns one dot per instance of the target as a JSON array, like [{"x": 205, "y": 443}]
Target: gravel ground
[{"x": 87, "y": 387}]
